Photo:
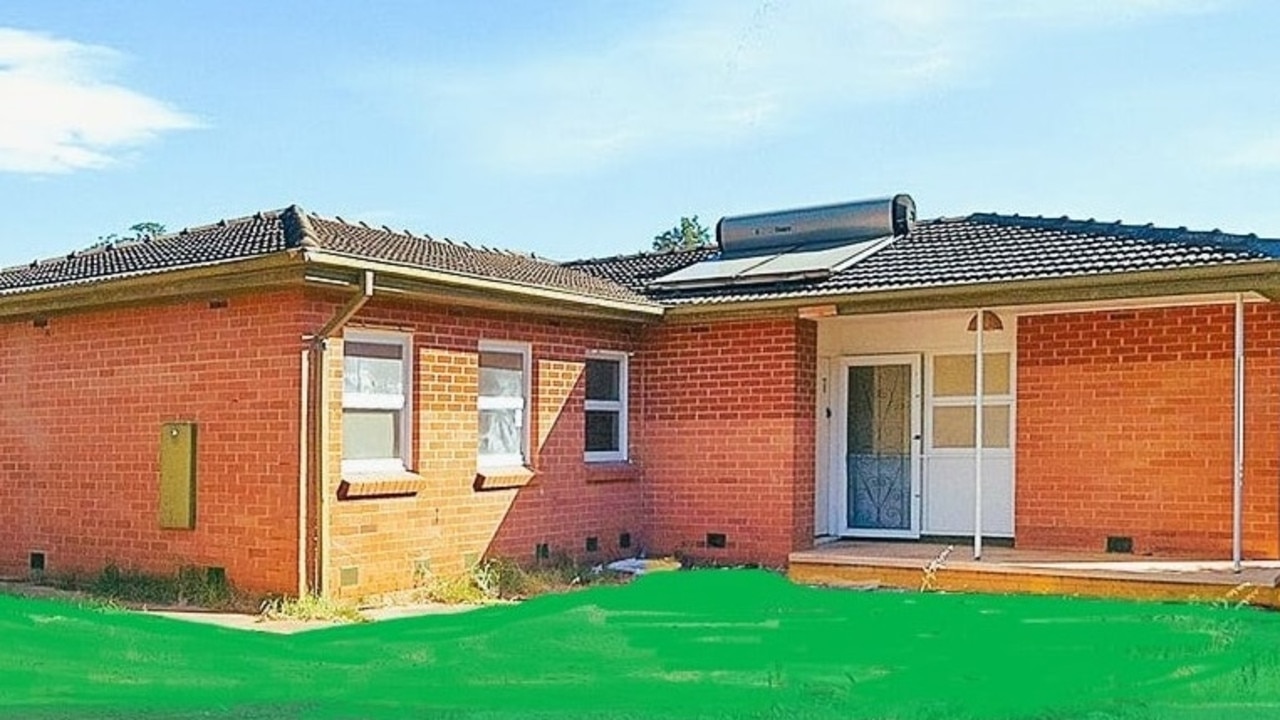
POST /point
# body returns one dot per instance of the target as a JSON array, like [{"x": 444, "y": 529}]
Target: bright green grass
[{"x": 706, "y": 644}]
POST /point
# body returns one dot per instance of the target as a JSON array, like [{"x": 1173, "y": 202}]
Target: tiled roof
[
  {"x": 195, "y": 247},
  {"x": 635, "y": 271},
  {"x": 271, "y": 232},
  {"x": 980, "y": 248},
  {"x": 416, "y": 251}
]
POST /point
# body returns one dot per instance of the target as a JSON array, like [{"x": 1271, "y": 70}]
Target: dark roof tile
[
  {"x": 194, "y": 247},
  {"x": 635, "y": 271},
  {"x": 980, "y": 248},
  {"x": 276, "y": 231},
  {"x": 423, "y": 252}
]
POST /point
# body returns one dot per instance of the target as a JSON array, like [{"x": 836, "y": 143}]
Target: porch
[
  {"x": 1084, "y": 425},
  {"x": 906, "y": 565}
]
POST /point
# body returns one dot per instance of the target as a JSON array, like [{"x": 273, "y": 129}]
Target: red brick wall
[
  {"x": 728, "y": 437},
  {"x": 81, "y": 405},
  {"x": 1125, "y": 428},
  {"x": 449, "y": 521}
]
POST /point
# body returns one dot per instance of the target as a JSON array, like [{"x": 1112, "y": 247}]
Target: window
[
  {"x": 606, "y": 407},
  {"x": 375, "y": 402},
  {"x": 503, "y": 401},
  {"x": 955, "y": 398}
]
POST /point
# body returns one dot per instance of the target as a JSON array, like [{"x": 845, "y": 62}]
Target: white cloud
[
  {"x": 62, "y": 113},
  {"x": 1093, "y": 12},
  {"x": 1259, "y": 152},
  {"x": 718, "y": 72}
]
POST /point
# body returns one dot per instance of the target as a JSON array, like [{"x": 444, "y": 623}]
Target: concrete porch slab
[{"x": 1010, "y": 570}]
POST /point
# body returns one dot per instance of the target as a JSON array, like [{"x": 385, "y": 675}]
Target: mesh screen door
[{"x": 879, "y": 447}]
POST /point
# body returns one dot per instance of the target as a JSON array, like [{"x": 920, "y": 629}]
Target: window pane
[
  {"x": 500, "y": 432},
  {"x": 602, "y": 431},
  {"x": 373, "y": 368},
  {"x": 501, "y": 374},
  {"x": 603, "y": 380},
  {"x": 953, "y": 427},
  {"x": 370, "y": 434},
  {"x": 879, "y": 409},
  {"x": 385, "y": 350},
  {"x": 953, "y": 375},
  {"x": 995, "y": 375},
  {"x": 995, "y": 426}
]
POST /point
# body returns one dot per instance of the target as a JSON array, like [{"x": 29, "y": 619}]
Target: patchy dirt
[
  {"x": 285, "y": 626},
  {"x": 235, "y": 620},
  {"x": 28, "y": 589}
]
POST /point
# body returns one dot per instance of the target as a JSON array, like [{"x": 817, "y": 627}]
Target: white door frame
[{"x": 838, "y": 469}]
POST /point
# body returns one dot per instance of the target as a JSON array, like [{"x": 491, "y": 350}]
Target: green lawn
[{"x": 705, "y": 644}]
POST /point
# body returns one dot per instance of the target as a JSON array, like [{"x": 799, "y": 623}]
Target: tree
[
  {"x": 140, "y": 231},
  {"x": 689, "y": 234},
  {"x": 146, "y": 230}
]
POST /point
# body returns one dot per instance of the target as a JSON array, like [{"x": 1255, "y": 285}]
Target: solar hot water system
[{"x": 808, "y": 243}]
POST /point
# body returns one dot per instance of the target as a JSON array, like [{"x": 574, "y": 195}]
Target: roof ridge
[
  {"x": 427, "y": 237},
  {"x": 1103, "y": 226},
  {"x": 223, "y": 222},
  {"x": 104, "y": 246},
  {"x": 298, "y": 231},
  {"x": 636, "y": 255}
]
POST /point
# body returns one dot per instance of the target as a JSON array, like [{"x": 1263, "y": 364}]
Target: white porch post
[
  {"x": 1237, "y": 496},
  {"x": 979, "y": 379}
]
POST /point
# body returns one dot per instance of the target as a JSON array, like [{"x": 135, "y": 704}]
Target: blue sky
[{"x": 576, "y": 129}]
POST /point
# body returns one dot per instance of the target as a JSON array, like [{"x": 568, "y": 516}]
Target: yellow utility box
[{"x": 178, "y": 476}]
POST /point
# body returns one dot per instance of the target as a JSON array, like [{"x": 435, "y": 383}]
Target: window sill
[
  {"x": 503, "y": 478},
  {"x": 388, "y": 484},
  {"x": 610, "y": 472}
]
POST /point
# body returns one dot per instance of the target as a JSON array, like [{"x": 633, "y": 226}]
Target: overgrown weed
[
  {"x": 502, "y": 579},
  {"x": 311, "y": 607}
]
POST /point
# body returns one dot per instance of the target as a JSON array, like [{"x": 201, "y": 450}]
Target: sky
[{"x": 583, "y": 128}]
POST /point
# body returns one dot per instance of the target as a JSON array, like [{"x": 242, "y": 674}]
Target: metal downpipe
[
  {"x": 317, "y": 344},
  {"x": 1237, "y": 470},
  {"x": 979, "y": 365}
]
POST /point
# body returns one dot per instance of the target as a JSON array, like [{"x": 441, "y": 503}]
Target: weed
[
  {"x": 1238, "y": 596},
  {"x": 63, "y": 581},
  {"x": 453, "y": 589},
  {"x": 931, "y": 570},
  {"x": 114, "y": 586},
  {"x": 311, "y": 607},
  {"x": 498, "y": 579}
]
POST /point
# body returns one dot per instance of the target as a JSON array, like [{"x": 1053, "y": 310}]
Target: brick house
[{"x": 314, "y": 405}]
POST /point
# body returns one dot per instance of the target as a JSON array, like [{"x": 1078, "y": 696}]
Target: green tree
[
  {"x": 146, "y": 230},
  {"x": 689, "y": 234}
]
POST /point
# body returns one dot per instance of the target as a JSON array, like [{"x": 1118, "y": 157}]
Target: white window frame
[
  {"x": 493, "y": 403},
  {"x": 971, "y": 401},
  {"x": 366, "y": 401},
  {"x": 621, "y": 406}
]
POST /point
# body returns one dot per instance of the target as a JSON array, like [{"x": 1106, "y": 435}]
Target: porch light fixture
[{"x": 990, "y": 322}]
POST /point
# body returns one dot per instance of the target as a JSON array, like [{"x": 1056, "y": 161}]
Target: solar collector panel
[{"x": 791, "y": 264}]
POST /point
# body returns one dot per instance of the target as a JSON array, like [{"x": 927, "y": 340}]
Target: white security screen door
[{"x": 879, "y": 436}]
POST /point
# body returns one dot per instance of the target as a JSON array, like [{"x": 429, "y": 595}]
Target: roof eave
[
  {"x": 482, "y": 292},
  {"x": 1261, "y": 276},
  {"x": 260, "y": 272}
]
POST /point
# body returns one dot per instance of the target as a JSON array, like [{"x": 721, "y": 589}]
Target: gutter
[
  {"x": 1261, "y": 276},
  {"x": 517, "y": 293},
  {"x": 258, "y": 273}
]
